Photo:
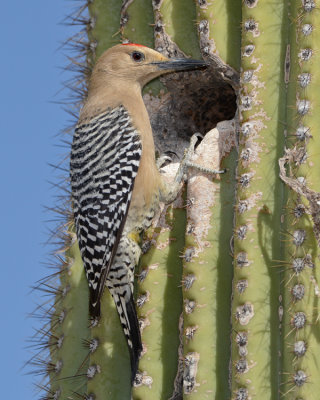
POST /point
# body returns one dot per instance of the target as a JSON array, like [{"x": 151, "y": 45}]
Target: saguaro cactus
[{"x": 228, "y": 286}]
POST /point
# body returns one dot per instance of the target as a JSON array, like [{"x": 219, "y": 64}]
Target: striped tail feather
[{"x": 129, "y": 321}]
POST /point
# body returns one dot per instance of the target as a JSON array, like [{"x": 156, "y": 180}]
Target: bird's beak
[{"x": 181, "y": 64}]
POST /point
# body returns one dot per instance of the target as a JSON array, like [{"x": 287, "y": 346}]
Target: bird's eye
[{"x": 137, "y": 56}]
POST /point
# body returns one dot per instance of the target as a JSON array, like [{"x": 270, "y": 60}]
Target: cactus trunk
[{"x": 228, "y": 285}]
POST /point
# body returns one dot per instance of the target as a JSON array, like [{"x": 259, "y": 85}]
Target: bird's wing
[{"x": 104, "y": 162}]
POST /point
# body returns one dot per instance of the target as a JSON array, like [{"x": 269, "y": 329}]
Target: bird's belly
[{"x": 140, "y": 218}]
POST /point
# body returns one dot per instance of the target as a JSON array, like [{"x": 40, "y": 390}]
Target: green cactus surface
[{"x": 228, "y": 285}]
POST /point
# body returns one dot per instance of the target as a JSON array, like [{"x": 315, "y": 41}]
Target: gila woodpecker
[{"x": 116, "y": 185}]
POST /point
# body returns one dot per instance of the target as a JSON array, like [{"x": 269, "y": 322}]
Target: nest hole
[{"x": 194, "y": 102}]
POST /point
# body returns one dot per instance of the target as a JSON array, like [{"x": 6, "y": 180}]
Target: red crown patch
[{"x": 133, "y": 44}]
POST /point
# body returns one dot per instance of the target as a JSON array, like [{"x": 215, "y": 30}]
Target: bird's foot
[{"x": 187, "y": 163}]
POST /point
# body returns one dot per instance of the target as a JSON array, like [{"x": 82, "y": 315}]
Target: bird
[{"x": 115, "y": 181}]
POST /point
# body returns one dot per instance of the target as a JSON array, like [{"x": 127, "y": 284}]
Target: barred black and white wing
[{"x": 105, "y": 158}]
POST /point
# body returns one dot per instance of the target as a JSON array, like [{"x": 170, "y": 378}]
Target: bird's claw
[
  {"x": 194, "y": 139},
  {"x": 187, "y": 163},
  {"x": 165, "y": 158}
]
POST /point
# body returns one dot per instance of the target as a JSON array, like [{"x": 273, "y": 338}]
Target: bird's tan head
[{"x": 140, "y": 64}]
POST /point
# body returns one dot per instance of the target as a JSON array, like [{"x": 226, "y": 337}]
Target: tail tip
[{"x": 94, "y": 313}]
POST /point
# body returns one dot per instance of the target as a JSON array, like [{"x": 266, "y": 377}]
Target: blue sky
[{"x": 31, "y": 78}]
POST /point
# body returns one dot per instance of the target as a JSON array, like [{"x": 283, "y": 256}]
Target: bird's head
[{"x": 132, "y": 62}]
